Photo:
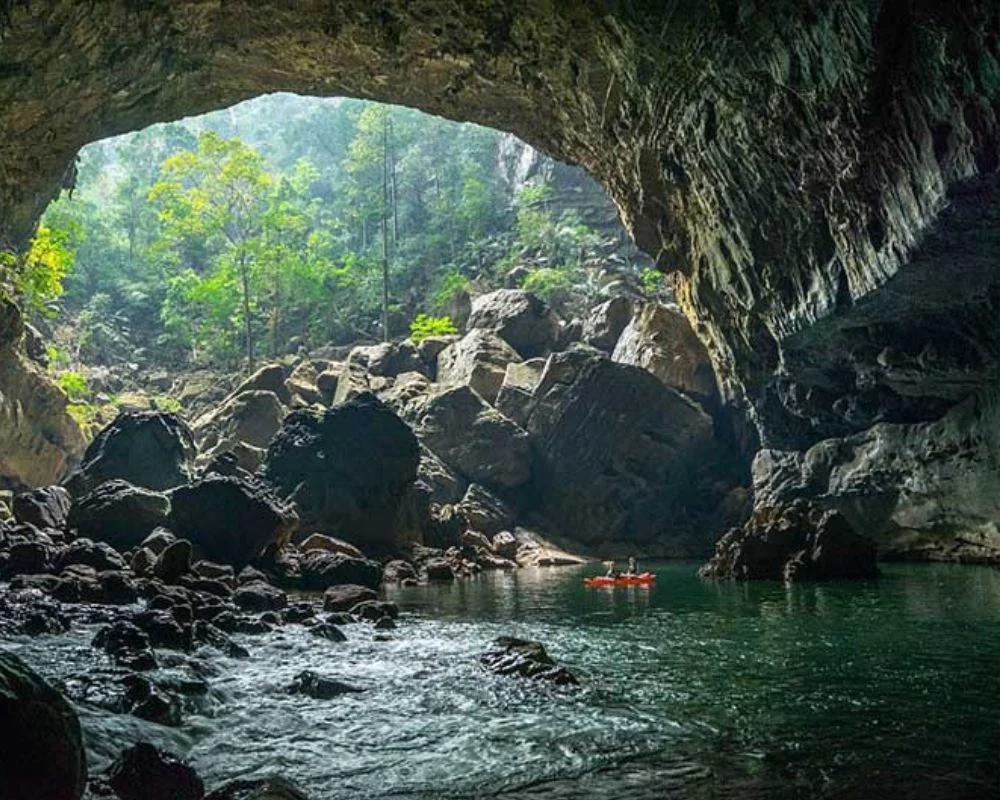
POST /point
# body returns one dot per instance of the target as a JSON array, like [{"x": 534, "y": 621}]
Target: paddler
[
  {"x": 633, "y": 567},
  {"x": 612, "y": 572}
]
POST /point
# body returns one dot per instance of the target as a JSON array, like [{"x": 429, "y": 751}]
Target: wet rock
[
  {"x": 259, "y": 596},
  {"x": 159, "y": 540},
  {"x": 230, "y": 520},
  {"x": 318, "y": 541},
  {"x": 42, "y": 754},
  {"x": 319, "y": 569},
  {"x": 174, "y": 561},
  {"x": 27, "y": 558},
  {"x": 522, "y": 658},
  {"x": 373, "y": 610},
  {"x": 149, "y": 449},
  {"x": 99, "y": 555},
  {"x": 346, "y": 597},
  {"x": 164, "y": 630},
  {"x": 142, "y": 562},
  {"x": 659, "y": 339},
  {"x": 329, "y": 631},
  {"x": 146, "y": 701},
  {"x": 319, "y": 687},
  {"x": 473, "y": 438},
  {"x": 211, "y": 634},
  {"x": 505, "y": 545},
  {"x": 798, "y": 541},
  {"x": 116, "y": 588},
  {"x": 518, "y": 317},
  {"x": 398, "y": 570},
  {"x": 348, "y": 469},
  {"x": 260, "y": 789},
  {"x": 438, "y": 569},
  {"x": 118, "y": 513},
  {"x": 605, "y": 323},
  {"x": 43, "y": 508},
  {"x": 478, "y": 360},
  {"x": 298, "y": 612},
  {"x": 144, "y": 772},
  {"x": 385, "y": 624},
  {"x": 213, "y": 571}
]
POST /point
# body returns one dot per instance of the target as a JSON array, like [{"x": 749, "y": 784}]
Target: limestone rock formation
[
  {"x": 347, "y": 469},
  {"x": 43, "y": 752},
  {"x": 478, "y": 360},
  {"x": 244, "y": 424},
  {"x": 150, "y": 449},
  {"x": 799, "y": 541},
  {"x": 606, "y": 322},
  {"x": 39, "y": 441},
  {"x": 118, "y": 513},
  {"x": 43, "y": 508},
  {"x": 520, "y": 318}
]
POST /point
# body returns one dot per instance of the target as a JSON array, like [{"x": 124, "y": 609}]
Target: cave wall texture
[{"x": 820, "y": 175}]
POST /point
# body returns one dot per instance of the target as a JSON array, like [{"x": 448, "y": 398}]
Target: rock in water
[
  {"x": 798, "y": 541},
  {"x": 346, "y": 596},
  {"x": 151, "y": 449},
  {"x": 319, "y": 687},
  {"x": 42, "y": 754},
  {"x": 230, "y": 520},
  {"x": 347, "y": 468},
  {"x": 524, "y": 659},
  {"x": 145, "y": 773},
  {"x": 261, "y": 789},
  {"x": 520, "y": 318},
  {"x": 43, "y": 508},
  {"x": 118, "y": 513}
]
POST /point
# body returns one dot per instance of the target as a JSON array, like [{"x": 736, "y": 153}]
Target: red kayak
[{"x": 643, "y": 579}]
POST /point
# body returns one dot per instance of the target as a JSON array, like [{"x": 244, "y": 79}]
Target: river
[{"x": 691, "y": 689}]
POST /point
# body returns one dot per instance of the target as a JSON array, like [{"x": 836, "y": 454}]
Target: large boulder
[
  {"x": 273, "y": 788},
  {"x": 43, "y": 508},
  {"x": 659, "y": 339},
  {"x": 151, "y": 449},
  {"x": 347, "y": 469},
  {"x": 371, "y": 368},
  {"x": 143, "y": 772},
  {"x": 118, "y": 513},
  {"x": 479, "y": 360},
  {"x": 472, "y": 437},
  {"x": 605, "y": 323},
  {"x": 523, "y": 658},
  {"x": 230, "y": 520},
  {"x": 520, "y": 318},
  {"x": 269, "y": 378},
  {"x": 445, "y": 486},
  {"x": 616, "y": 449},
  {"x": 519, "y": 382},
  {"x": 484, "y": 511},
  {"x": 798, "y": 541},
  {"x": 250, "y": 418},
  {"x": 42, "y": 754}
]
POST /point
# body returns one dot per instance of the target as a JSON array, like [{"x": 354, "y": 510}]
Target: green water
[{"x": 889, "y": 688}]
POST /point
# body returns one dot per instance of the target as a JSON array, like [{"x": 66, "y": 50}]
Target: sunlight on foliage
[{"x": 424, "y": 326}]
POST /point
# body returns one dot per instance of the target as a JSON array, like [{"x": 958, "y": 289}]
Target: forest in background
[{"x": 287, "y": 223}]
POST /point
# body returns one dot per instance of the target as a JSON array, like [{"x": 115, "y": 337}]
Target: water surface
[{"x": 690, "y": 689}]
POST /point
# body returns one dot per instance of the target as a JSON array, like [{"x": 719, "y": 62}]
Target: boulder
[
  {"x": 605, "y": 323},
  {"x": 519, "y": 382},
  {"x": 484, "y": 511},
  {"x": 474, "y": 438},
  {"x": 520, "y": 318},
  {"x": 523, "y": 658},
  {"x": 174, "y": 562},
  {"x": 43, "y": 508},
  {"x": 445, "y": 486},
  {"x": 346, "y": 596},
  {"x": 387, "y": 359},
  {"x": 127, "y": 644},
  {"x": 143, "y": 772},
  {"x": 250, "y": 418},
  {"x": 505, "y": 545},
  {"x": 318, "y": 541},
  {"x": 97, "y": 555},
  {"x": 797, "y": 541},
  {"x": 319, "y": 687},
  {"x": 259, "y": 596},
  {"x": 616, "y": 449},
  {"x": 118, "y": 513},
  {"x": 347, "y": 469},
  {"x": 327, "y": 382},
  {"x": 478, "y": 360},
  {"x": 438, "y": 569},
  {"x": 230, "y": 520},
  {"x": 301, "y": 385},
  {"x": 269, "y": 378},
  {"x": 319, "y": 570},
  {"x": 660, "y": 340},
  {"x": 40, "y": 442},
  {"x": 42, "y": 754},
  {"x": 398, "y": 570},
  {"x": 149, "y": 449},
  {"x": 430, "y": 348}
]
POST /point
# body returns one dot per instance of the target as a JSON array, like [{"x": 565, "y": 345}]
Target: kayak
[{"x": 643, "y": 579}]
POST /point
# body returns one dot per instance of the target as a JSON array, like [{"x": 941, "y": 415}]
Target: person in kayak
[
  {"x": 612, "y": 572},
  {"x": 633, "y": 567}
]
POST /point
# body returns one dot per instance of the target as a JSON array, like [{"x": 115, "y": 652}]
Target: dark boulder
[
  {"x": 143, "y": 772},
  {"x": 347, "y": 468},
  {"x": 118, "y": 513},
  {"x": 230, "y": 520},
  {"x": 151, "y": 449},
  {"x": 173, "y": 562},
  {"x": 606, "y": 322},
  {"x": 798, "y": 541},
  {"x": 520, "y": 318},
  {"x": 259, "y": 596},
  {"x": 524, "y": 659},
  {"x": 329, "y": 631},
  {"x": 346, "y": 597},
  {"x": 43, "y": 508},
  {"x": 260, "y": 789},
  {"x": 438, "y": 569},
  {"x": 319, "y": 570},
  {"x": 99, "y": 555},
  {"x": 42, "y": 754},
  {"x": 127, "y": 644},
  {"x": 319, "y": 687}
]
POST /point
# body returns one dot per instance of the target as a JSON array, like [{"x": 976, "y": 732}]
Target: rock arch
[{"x": 786, "y": 159}]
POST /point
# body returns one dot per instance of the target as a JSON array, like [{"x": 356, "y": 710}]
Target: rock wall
[
  {"x": 39, "y": 441},
  {"x": 820, "y": 174}
]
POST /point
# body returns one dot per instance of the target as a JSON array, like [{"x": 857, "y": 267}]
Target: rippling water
[{"x": 691, "y": 690}]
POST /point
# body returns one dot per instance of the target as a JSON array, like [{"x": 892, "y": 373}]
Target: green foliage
[
  {"x": 652, "y": 281},
  {"x": 424, "y": 326},
  {"x": 74, "y": 385},
  {"x": 549, "y": 283},
  {"x": 449, "y": 286}
]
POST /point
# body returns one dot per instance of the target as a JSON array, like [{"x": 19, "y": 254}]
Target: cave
[{"x": 821, "y": 180}]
